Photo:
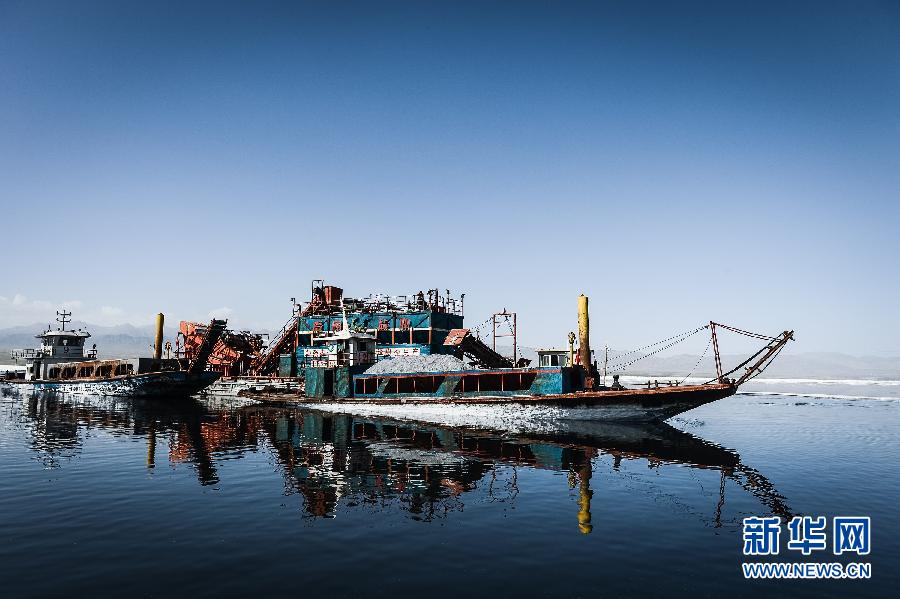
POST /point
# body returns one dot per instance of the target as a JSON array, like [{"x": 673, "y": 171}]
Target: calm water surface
[{"x": 113, "y": 497}]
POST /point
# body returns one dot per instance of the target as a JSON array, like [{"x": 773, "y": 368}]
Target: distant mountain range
[
  {"x": 809, "y": 365},
  {"x": 130, "y": 341}
]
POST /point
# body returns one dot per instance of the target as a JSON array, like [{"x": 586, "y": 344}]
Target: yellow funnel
[
  {"x": 584, "y": 333},
  {"x": 158, "y": 345}
]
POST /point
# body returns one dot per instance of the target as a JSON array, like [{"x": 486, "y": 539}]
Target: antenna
[{"x": 63, "y": 318}]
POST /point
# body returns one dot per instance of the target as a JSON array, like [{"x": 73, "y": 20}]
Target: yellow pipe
[
  {"x": 584, "y": 333},
  {"x": 158, "y": 346}
]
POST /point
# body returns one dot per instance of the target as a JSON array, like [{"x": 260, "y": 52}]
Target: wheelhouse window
[{"x": 123, "y": 369}]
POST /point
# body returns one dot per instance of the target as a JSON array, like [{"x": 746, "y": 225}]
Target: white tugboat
[{"x": 61, "y": 365}]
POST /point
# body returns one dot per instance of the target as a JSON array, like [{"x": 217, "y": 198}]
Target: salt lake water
[{"x": 118, "y": 497}]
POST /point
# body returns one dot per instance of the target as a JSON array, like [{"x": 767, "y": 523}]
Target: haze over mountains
[
  {"x": 806, "y": 365},
  {"x": 127, "y": 340},
  {"x": 811, "y": 365}
]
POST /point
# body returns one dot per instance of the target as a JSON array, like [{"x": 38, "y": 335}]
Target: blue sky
[{"x": 677, "y": 162}]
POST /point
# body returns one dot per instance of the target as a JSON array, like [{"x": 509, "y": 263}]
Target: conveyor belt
[
  {"x": 205, "y": 349},
  {"x": 476, "y": 349}
]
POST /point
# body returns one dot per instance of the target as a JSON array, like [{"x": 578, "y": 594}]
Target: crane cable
[
  {"x": 677, "y": 339},
  {"x": 708, "y": 344},
  {"x": 747, "y": 361}
]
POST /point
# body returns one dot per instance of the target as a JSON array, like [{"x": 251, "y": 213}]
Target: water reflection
[{"x": 340, "y": 461}]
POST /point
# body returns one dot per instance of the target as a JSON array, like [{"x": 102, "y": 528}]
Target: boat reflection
[{"x": 340, "y": 461}]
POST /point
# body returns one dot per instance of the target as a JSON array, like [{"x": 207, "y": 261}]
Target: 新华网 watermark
[{"x": 807, "y": 535}]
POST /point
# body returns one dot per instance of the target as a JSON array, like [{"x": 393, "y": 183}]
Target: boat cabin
[
  {"x": 341, "y": 348},
  {"x": 553, "y": 358},
  {"x": 57, "y": 347},
  {"x": 68, "y": 345},
  {"x": 62, "y": 357}
]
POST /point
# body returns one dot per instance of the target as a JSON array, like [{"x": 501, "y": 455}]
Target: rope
[
  {"x": 739, "y": 366},
  {"x": 759, "y": 371},
  {"x": 748, "y": 360},
  {"x": 508, "y": 323},
  {"x": 477, "y": 329},
  {"x": 687, "y": 376},
  {"x": 685, "y": 334},
  {"x": 747, "y": 333},
  {"x": 678, "y": 339}
]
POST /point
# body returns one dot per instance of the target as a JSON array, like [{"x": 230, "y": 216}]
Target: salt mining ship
[
  {"x": 336, "y": 346},
  {"x": 62, "y": 365}
]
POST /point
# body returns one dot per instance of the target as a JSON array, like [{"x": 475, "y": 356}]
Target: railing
[
  {"x": 21, "y": 354},
  {"x": 432, "y": 300}
]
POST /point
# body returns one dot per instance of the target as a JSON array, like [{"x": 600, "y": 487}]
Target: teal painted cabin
[{"x": 501, "y": 382}]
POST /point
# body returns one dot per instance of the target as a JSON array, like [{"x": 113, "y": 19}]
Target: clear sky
[{"x": 677, "y": 162}]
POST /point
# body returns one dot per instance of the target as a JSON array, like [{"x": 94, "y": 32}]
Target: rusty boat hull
[
  {"x": 167, "y": 384},
  {"x": 526, "y": 413}
]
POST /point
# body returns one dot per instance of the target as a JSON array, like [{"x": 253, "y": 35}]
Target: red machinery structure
[
  {"x": 242, "y": 353},
  {"x": 232, "y": 355}
]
